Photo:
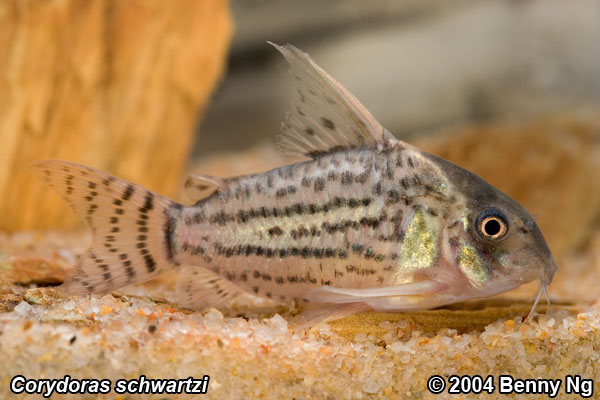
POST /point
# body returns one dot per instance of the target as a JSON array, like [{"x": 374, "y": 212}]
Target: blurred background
[
  {"x": 152, "y": 91},
  {"x": 419, "y": 66}
]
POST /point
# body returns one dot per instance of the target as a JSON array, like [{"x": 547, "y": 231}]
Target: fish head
[{"x": 490, "y": 239}]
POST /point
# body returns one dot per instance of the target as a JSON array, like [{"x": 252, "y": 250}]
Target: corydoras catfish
[{"x": 367, "y": 220}]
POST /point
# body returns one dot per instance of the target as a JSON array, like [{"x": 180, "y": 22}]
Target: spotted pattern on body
[{"x": 343, "y": 224}]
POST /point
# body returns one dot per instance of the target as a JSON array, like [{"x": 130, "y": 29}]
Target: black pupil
[{"x": 492, "y": 227}]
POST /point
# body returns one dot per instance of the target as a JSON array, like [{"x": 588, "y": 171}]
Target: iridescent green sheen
[
  {"x": 471, "y": 264},
  {"x": 419, "y": 248}
]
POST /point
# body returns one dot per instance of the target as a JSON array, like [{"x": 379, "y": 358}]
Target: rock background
[{"x": 116, "y": 85}]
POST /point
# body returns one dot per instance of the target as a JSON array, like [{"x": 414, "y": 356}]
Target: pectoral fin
[
  {"x": 328, "y": 294},
  {"x": 328, "y": 303}
]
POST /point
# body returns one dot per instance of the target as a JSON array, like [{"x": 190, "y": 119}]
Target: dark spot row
[
  {"x": 222, "y": 218},
  {"x": 260, "y": 251},
  {"x": 193, "y": 250},
  {"x": 342, "y": 226}
]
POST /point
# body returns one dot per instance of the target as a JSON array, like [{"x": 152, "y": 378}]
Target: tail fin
[{"x": 132, "y": 227}]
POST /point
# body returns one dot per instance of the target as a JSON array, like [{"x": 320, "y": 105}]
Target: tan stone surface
[{"x": 113, "y": 84}]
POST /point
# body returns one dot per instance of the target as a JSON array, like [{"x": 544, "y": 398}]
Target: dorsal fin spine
[{"x": 325, "y": 116}]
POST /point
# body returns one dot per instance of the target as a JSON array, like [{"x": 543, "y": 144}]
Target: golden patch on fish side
[
  {"x": 420, "y": 240},
  {"x": 366, "y": 222}
]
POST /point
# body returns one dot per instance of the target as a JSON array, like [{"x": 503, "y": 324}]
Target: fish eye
[{"x": 491, "y": 224}]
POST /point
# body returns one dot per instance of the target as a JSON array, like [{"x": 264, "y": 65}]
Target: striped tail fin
[{"x": 132, "y": 227}]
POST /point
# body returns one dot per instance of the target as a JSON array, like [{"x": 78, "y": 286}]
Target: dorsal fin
[
  {"x": 325, "y": 116},
  {"x": 197, "y": 187}
]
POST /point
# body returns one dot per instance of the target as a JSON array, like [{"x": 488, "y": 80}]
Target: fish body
[
  {"x": 368, "y": 219},
  {"x": 334, "y": 221}
]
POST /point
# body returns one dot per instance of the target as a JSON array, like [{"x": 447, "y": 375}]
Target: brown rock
[
  {"x": 116, "y": 85},
  {"x": 26, "y": 271}
]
